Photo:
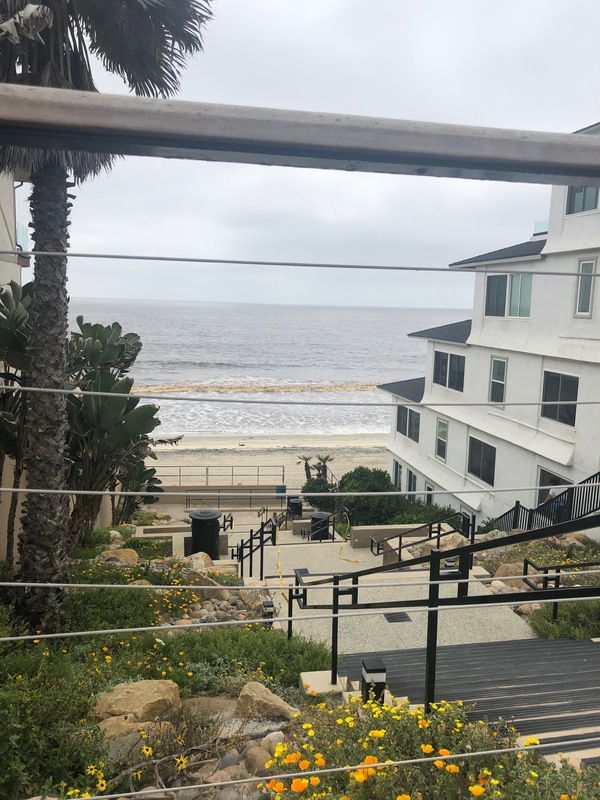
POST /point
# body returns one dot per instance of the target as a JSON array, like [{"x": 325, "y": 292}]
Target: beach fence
[{"x": 219, "y": 474}]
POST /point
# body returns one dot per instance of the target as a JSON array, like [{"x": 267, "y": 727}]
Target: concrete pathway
[{"x": 374, "y": 632}]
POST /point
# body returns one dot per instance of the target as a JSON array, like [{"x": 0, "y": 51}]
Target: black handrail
[
  {"x": 552, "y": 574},
  {"x": 256, "y": 542},
  {"x": 574, "y": 502},
  {"x": 429, "y": 526},
  {"x": 434, "y": 602}
]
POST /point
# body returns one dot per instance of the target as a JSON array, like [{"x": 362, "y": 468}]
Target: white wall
[{"x": 9, "y": 269}]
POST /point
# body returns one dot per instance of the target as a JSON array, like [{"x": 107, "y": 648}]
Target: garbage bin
[
  {"x": 319, "y": 525},
  {"x": 294, "y": 507},
  {"x": 205, "y": 531}
]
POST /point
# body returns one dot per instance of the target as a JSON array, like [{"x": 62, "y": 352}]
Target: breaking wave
[{"x": 221, "y": 388}]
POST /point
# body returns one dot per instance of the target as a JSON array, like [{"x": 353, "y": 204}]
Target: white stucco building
[
  {"x": 532, "y": 338},
  {"x": 10, "y": 269}
]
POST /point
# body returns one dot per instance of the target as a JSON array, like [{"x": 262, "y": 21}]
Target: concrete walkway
[{"x": 374, "y": 632}]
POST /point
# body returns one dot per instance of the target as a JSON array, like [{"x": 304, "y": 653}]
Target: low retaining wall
[
  {"x": 361, "y": 535},
  {"x": 220, "y": 497}
]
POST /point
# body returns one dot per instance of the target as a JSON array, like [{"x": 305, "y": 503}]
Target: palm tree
[
  {"x": 146, "y": 42},
  {"x": 321, "y": 466},
  {"x": 306, "y": 461}
]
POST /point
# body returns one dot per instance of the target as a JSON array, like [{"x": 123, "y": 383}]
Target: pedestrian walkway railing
[
  {"x": 434, "y": 531},
  {"x": 549, "y": 576},
  {"x": 451, "y": 566},
  {"x": 573, "y": 503}
]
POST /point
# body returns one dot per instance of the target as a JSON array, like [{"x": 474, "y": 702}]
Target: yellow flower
[
  {"x": 439, "y": 764},
  {"x": 101, "y": 785},
  {"x": 377, "y": 734},
  {"x": 291, "y": 758},
  {"x": 444, "y": 752},
  {"x": 452, "y": 768},
  {"x": 423, "y": 723},
  {"x": 530, "y": 741},
  {"x": 427, "y": 748},
  {"x": 299, "y": 784},
  {"x": 91, "y": 770},
  {"x": 181, "y": 762},
  {"x": 304, "y": 764},
  {"x": 315, "y": 781},
  {"x": 319, "y": 760},
  {"x": 401, "y": 797},
  {"x": 147, "y": 751},
  {"x": 476, "y": 790}
]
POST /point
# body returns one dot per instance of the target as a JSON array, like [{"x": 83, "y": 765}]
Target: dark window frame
[
  {"x": 411, "y": 481},
  {"x": 581, "y": 199},
  {"x": 585, "y": 279},
  {"x": 496, "y": 293},
  {"x": 449, "y": 370},
  {"x": 408, "y": 422},
  {"x": 559, "y": 387},
  {"x": 481, "y": 460},
  {"x": 397, "y": 475},
  {"x": 495, "y": 382}
]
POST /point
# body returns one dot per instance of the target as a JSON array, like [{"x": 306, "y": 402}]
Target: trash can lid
[
  {"x": 204, "y": 513},
  {"x": 320, "y": 515}
]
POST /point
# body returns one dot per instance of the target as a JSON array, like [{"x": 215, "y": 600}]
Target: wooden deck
[{"x": 548, "y": 688}]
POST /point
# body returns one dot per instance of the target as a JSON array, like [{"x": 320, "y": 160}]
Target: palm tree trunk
[
  {"x": 42, "y": 546},
  {"x": 12, "y": 513}
]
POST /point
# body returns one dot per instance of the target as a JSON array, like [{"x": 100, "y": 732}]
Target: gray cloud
[{"x": 513, "y": 65}]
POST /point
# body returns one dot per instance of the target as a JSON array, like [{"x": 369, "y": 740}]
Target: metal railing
[
  {"x": 221, "y": 498},
  {"x": 434, "y": 532},
  {"x": 439, "y": 572},
  {"x": 573, "y": 503},
  {"x": 551, "y": 575},
  {"x": 214, "y": 474},
  {"x": 256, "y": 543}
]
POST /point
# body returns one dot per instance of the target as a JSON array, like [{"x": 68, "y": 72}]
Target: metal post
[
  {"x": 335, "y": 628},
  {"x": 464, "y": 564},
  {"x": 432, "y": 628},
  {"x": 262, "y": 553},
  {"x": 556, "y": 586},
  {"x": 251, "y": 549},
  {"x": 516, "y": 510},
  {"x": 290, "y": 610},
  {"x": 241, "y": 558}
]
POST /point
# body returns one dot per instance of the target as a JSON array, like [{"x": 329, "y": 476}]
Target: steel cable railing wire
[
  {"x": 34, "y": 637},
  {"x": 348, "y": 768},
  {"x": 490, "y": 269}
]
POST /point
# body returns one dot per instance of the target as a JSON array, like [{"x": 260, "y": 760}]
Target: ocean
[{"x": 216, "y": 350}]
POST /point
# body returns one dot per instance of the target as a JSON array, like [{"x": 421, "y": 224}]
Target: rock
[
  {"x": 142, "y": 700},
  {"x": 271, "y": 740},
  {"x": 251, "y": 600},
  {"x": 255, "y": 759},
  {"x": 512, "y": 568},
  {"x": 536, "y": 607},
  {"x": 210, "y": 708},
  {"x": 508, "y": 590},
  {"x": 198, "y": 562},
  {"x": 256, "y": 700},
  {"x": 256, "y": 728},
  {"x": 201, "y": 774},
  {"x": 218, "y": 777},
  {"x": 115, "y": 536},
  {"x": 198, "y": 578},
  {"x": 525, "y": 609},
  {"x": 123, "y": 556},
  {"x": 231, "y": 758},
  {"x": 141, "y": 582},
  {"x": 236, "y": 772},
  {"x": 497, "y": 586},
  {"x": 125, "y": 749},
  {"x": 228, "y": 793},
  {"x": 255, "y": 795},
  {"x": 122, "y": 725}
]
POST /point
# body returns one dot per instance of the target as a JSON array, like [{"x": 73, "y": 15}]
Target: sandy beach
[{"x": 234, "y": 459}]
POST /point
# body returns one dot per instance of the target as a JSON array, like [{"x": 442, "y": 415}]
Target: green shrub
[
  {"x": 577, "y": 620},
  {"x": 143, "y": 518},
  {"x": 151, "y": 548},
  {"x": 370, "y": 510},
  {"x": 320, "y": 485}
]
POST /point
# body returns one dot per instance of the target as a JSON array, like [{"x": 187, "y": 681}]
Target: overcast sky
[{"x": 527, "y": 65}]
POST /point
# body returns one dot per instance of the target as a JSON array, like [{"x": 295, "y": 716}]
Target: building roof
[
  {"x": 411, "y": 389},
  {"x": 521, "y": 250},
  {"x": 453, "y": 332}
]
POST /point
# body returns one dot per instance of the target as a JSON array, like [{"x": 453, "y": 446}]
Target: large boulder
[
  {"x": 142, "y": 701},
  {"x": 504, "y": 571},
  {"x": 256, "y": 700},
  {"x": 199, "y": 562},
  {"x": 446, "y": 543},
  {"x": 215, "y": 592},
  {"x": 124, "y": 555}
]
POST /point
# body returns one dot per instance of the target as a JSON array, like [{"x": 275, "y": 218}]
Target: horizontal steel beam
[{"x": 62, "y": 119}]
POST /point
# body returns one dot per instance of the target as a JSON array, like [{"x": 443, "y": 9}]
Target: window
[
  {"x": 495, "y": 295},
  {"x": 441, "y": 440},
  {"x": 428, "y": 494},
  {"x": 520, "y": 296},
  {"x": 585, "y": 285},
  {"x": 482, "y": 460},
  {"x": 397, "y": 475},
  {"x": 408, "y": 422},
  {"x": 497, "y": 380},
  {"x": 411, "y": 481},
  {"x": 500, "y": 293},
  {"x": 449, "y": 370},
  {"x": 559, "y": 388},
  {"x": 582, "y": 198}
]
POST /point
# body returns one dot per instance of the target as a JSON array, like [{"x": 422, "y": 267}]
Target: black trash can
[
  {"x": 319, "y": 525},
  {"x": 294, "y": 507},
  {"x": 205, "y": 531}
]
